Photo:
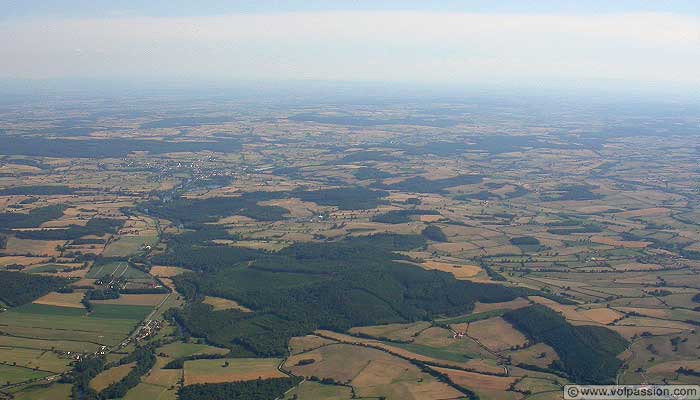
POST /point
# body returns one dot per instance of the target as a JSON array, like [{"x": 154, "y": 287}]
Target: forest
[
  {"x": 17, "y": 288},
  {"x": 587, "y": 353},
  {"x": 96, "y": 226},
  {"x": 260, "y": 389},
  {"x": 32, "y": 219},
  {"x": 333, "y": 285}
]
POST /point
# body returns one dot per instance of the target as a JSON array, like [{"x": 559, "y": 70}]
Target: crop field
[
  {"x": 371, "y": 372},
  {"x": 231, "y": 370},
  {"x": 116, "y": 269},
  {"x": 109, "y": 376},
  {"x": 10, "y": 374},
  {"x": 219, "y": 303},
  {"x": 72, "y": 300}
]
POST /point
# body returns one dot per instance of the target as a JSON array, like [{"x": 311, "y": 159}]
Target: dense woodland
[
  {"x": 588, "y": 353},
  {"x": 335, "y": 285},
  {"x": 32, "y": 219},
  {"x": 96, "y": 226},
  {"x": 17, "y": 288},
  {"x": 260, "y": 389},
  {"x": 400, "y": 216},
  {"x": 419, "y": 184}
]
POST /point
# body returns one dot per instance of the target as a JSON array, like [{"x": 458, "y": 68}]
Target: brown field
[
  {"x": 486, "y": 386},
  {"x": 532, "y": 355},
  {"x": 602, "y": 315},
  {"x": 302, "y": 344},
  {"x": 430, "y": 218},
  {"x": 401, "y": 332},
  {"x": 162, "y": 271},
  {"x": 238, "y": 369},
  {"x": 32, "y": 247},
  {"x": 225, "y": 304},
  {"x": 609, "y": 241},
  {"x": 634, "y": 266},
  {"x": 629, "y": 332},
  {"x": 510, "y": 305},
  {"x": 645, "y": 212},
  {"x": 108, "y": 377},
  {"x": 62, "y": 299},
  {"x": 458, "y": 270},
  {"x": 478, "y": 365},
  {"x": 162, "y": 377},
  {"x": 373, "y": 373},
  {"x": 22, "y": 260},
  {"x": 496, "y": 334},
  {"x": 569, "y": 312},
  {"x": 134, "y": 300},
  {"x": 670, "y": 367}
]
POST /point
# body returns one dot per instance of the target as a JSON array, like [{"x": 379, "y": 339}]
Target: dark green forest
[
  {"x": 587, "y": 353},
  {"x": 260, "y": 389},
  {"x": 307, "y": 286},
  {"x": 17, "y": 288}
]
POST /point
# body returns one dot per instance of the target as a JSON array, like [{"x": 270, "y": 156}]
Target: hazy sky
[{"x": 461, "y": 42}]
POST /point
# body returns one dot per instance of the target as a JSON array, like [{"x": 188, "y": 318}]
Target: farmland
[{"x": 453, "y": 255}]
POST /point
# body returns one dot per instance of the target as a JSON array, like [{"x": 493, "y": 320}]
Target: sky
[{"x": 543, "y": 42}]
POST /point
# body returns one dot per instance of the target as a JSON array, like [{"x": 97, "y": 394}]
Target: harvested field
[
  {"x": 109, "y": 376},
  {"x": 225, "y": 304},
  {"x": 400, "y": 332},
  {"x": 603, "y": 316},
  {"x": 458, "y": 270},
  {"x": 496, "y": 334},
  {"x": 486, "y": 386},
  {"x": 305, "y": 343},
  {"x": 162, "y": 271},
  {"x": 46, "y": 248},
  {"x": 231, "y": 370},
  {"x": 373, "y": 373},
  {"x": 72, "y": 300},
  {"x": 615, "y": 242}
]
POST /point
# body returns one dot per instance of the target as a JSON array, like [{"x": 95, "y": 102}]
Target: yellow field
[
  {"x": 46, "y": 248},
  {"x": 486, "y": 386},
  {"x": 496, "y": 334},
  {"x": 609, "y": 241},
  {"x": 459, "y": 271},
  {"x": 602, "y": 315},
  {"x": 225, "y": 304},
  {"x": 108, "y": 377},
  {"x": 401, "y": 332},
  {"x": 305, "y": 343},
  {"x": 62, "y": 299},
  {"x": 22, "y": 260},
  {"x": 162, "y": 271},
  {"x": 238, "y": 369}
]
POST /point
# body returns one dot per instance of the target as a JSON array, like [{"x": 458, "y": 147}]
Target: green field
[
  {"x": 178, "y": 349},
  {"x": 10, "y": 375},
  {"x": 472, "y": 317},
  {"x": 54, "y": 391},
  {"x": 29, "y": 358},
  {"x": 105, "y": 324},
  {"x": 151, "y": 392},
  {"x": 128, "y": 245},
  {"x": 42, "y": 344},
  {"x": 116, "y": 268}
]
